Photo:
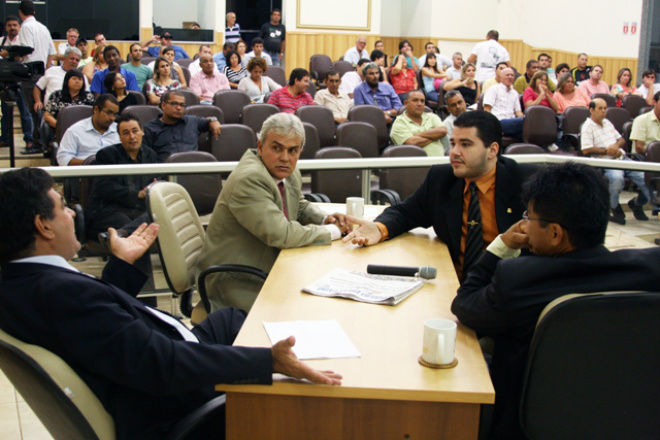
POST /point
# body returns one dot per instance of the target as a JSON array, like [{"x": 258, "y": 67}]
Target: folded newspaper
[{"x": 364, "y": 287}]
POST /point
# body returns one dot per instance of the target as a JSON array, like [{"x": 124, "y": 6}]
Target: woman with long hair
[
  {"x": 538, "y": 92},
  {"x": 97, "y": 63},
  {"x": 115, "y": 84},
  {"x": 623, "y": 86},
  {"x": 234, "y": 71},
  {"x": 73, "y": 92},
  {"x": 567, "y": 95},
  {"x": 469, "y": 88},
  {"x": 433, "y": 77},
  {"x": 161, "y": 82}
]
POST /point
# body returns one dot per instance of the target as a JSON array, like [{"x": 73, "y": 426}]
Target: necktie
[
  {"x": 281, "y": 187},
  {"x": 474, "y": 242}
]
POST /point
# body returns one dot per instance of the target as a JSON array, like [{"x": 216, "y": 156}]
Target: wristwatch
[{"x": 212, "y": 119}]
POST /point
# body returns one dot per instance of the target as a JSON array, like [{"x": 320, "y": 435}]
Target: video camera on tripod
[{"x": 13, "y": 72}]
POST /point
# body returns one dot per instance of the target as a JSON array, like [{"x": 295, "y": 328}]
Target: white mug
[
  {"x": 439, "y": 341},
  {"x": 355, "y": 207}
]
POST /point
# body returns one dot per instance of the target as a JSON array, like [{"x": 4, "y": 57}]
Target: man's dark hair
[
  {"x": 102, "y": 99},
  {"x": 275, "y": 10},
  {"x": 362, "y": 61},
  {"x": 494, "y": 35},
  {"x": 228, "y": 46},
  {"x": 297, "y": 74},
  {"x": 592, "y": 104},
  {"x": 575, "y": 196},
  {"x": 23, "y": 195},
  {"x": 529, "y": 63},
  {"x": 542, "y": 54},
  {"x": 130, "y": 48},
  {"x": 166, "y": 96},
  {"x": 561, "y": 66},
  {"x": 497, "y": 66},
  {"x": 427, "y": 45},
  {"x": 452, "y": 93},
  {"x": 202, "y": 46},
  {"x": 125, "y": 117},
  {"x": 26, "y": 7},
  {"x": 648, "y": 72},
  {"x": 403, "y": 42},
  {"x": 332, "y": 72},
  {"x": 12, "y": 18},
  {"x": 109, "y": 48},
  {"x": 375, "y": 54},
  {"x": 489, "y": 128},
  {"x": 257, "y": 40}
]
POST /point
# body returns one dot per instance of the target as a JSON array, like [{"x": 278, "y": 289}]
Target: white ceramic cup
[
  {"x": 439, "y": 341},
  {"x": 355, "y": 207}
]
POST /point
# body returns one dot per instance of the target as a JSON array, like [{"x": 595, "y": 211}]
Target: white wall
[
  {"x": 172, "y": 13},
  {"x": 390, "y": 17}
]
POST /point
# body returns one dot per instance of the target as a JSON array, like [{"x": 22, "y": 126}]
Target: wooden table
[{"x": 386, "y": 394}]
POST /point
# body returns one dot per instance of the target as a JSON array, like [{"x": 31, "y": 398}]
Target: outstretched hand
[
  {"x": 340, "y": 220},
  {"x": 131, "y": 248},
  {"x": 365, "y": 235},
  {"x": 286, "y": 362}
]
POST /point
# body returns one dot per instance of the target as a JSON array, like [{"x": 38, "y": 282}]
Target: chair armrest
[
  {"x": 383, "y": 196},
  {"x": 201, "y": 281},
  {"x": 213, "y": 408},
  {"x": 316, "y": 197}
]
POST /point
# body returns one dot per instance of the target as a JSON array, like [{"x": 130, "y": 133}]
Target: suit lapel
[
  {"x": 507, "y": 198},
  {"x": 453, "y": 209}
]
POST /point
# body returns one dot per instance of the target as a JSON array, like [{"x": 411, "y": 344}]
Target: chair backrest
[
  {"x": 373, "y": 115},
  {"x": 633, "y": 103},
  {"x": 321, "y": 117},
  {"x": 319, "y": 65},
  {"x": 574, "y": 117},
  {"x": 64, "y": 403},
  {"x": 311, "y": 89},
  {"x": 204, "y": 189},
  {"x": 617, "y": 116},
  {"x": 144, "y": 113},
  {"x": 540, "y": 125},
  {"x": 337, "y": 184},
  {"x": 524, "y": 148},
  {"x": 592, "y": 370},
  {"x": 404, "y": 181},
  {"x": 69, "y": 116},
  {"x": 185, "y": 62},
  {"x": 653, "y": 155},
  {"x": 277, "y": 74},
  {"x": 147, "y": 60},
  {"x": 254, "y": 115},
  {"x": 312, "y": 143},
  {"x": 358, "y": 135},
  {"x": 609, "y": 99},
  {"x": 139, "y": 96},
  {"x": 231, "y": 102},
  {"x": 186, "y": 73},
  {"x": 644, "y": 109},
  {"x": 232, "y": 143},
  {"x": 627, "y": 130},
  {"x": 181, "y": 234},
  {"x": 189, "y": 96},
  {"x": 206, "y": 111},
  {"x": 429, "y": 102},
  {"x": 342, "y": 67}
]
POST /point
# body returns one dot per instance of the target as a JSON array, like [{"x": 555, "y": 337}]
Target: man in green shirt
[
  {"x": 416, "y": 127},
  {"x": 142, "y": 72}
]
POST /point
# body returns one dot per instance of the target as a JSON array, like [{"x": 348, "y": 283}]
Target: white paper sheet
[{"x": 314, "y": 339}]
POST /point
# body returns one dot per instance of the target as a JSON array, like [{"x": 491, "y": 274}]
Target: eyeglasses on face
[{"x": 176, "y": 104}]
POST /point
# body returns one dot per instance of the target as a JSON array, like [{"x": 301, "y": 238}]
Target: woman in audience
[
  {"x": 567, "y": 95},
  {"x": 72, "y": 93},
  {"x": 433, "y": 77},
  {"x": 234, "y": 70},
  {"x": 175, "y": 70},
  {"x": 161, "y": 82},
  {"x": 623, "y": 87},
  {"x": 378, "y": 57},
  {"x": 469, "y": 88},
  {"x": 403, "y": 78},
  {"x": 538, "y": 92},
  {"x": 115, "y": 84},
  {"x": 256, "y": 85},
  {"x": 97, "y": 63},
  {"x": 561, "y": 69},
  {"x": 241, "y": 49}
]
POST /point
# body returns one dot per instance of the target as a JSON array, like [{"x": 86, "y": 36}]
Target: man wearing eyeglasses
[
  {"x": 173, "y": 131},
  {"x": 564, "y": 227}
]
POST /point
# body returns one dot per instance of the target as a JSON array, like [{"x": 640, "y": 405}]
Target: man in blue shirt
[
  {"x": 372, "y": 92},
  {"x": 219, "y": 57},
  {"x": 112, "y": 59},
  {"x": 164, "y": 40}
]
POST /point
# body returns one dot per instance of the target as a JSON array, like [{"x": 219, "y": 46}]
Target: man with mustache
[{"x": 444, "y": 199}]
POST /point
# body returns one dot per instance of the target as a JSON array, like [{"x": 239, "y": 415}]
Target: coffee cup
[
  {"x": 439, "y": 341},
  {"x": 355, "y": 207}
]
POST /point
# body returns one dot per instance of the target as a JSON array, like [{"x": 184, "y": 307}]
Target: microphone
[{"x": 426, "y": 272}]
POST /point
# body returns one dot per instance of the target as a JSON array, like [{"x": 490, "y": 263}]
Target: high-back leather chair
[
  {"x": 254, "y": 115},
  {"x": 204, "y": 189},
  {"x": 337, "y": 184},
  {"x": 232, "y": 143},
  {"x": 205, "y": 111},
  {"x": 319, "y": 66},
  {"x": 231, "y": 102},
  {"x": 524, "y": 148},
  {"x": 633, "y": 103},
  {"x": 373, "y": 115},
  {"x": 404, "y": 181},
  {"x": 574, "y": 117},
  {"x": 189, "y": 95},
  {"x": 617, "y": 116},
  {"x": 358, "y": 135},
  {"x": 609, "y": 99},
  {"x": 321, "y": 117},
  {"x": 144, "y": 113},
  {"x": 539, "y": 125},
  {"x": 277, "y": 74},
  {"x": 312, "y": 143},
  {"x": 342, "y": 67}
]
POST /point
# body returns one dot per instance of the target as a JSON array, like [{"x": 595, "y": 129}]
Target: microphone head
[{"x": 428, "y": 272}]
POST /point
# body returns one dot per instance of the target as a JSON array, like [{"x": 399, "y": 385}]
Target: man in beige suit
[{"x": 250, "y": 222}]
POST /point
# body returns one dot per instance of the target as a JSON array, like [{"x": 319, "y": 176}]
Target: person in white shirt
[
  {"x": 331, "y": 97},
  {"x": 71, "y": 38},
  {"x": 503, "y": 101},
  {"x": 355, "y": 54},
  {"x": 54, "y": 77},
  {"x": 649, "y": 87},
  {"x": 443, "y": 62},
  {"x": 350, "y": 80},
  {"x": 257, "y": 51},
  {"x": 487, "y": 54},
  {"x": 35, "y": 34},
  {"x": 194, "y": 67},
  {"x": 457, "y": 64}
]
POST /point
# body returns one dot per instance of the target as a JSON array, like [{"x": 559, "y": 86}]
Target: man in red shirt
[{"x": 290, "y": 98}]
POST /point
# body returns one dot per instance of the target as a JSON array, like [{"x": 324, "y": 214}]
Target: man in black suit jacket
[
  {"x": 147, "y": 369},
  {"x": 439, "y": 202},
  {"x": 564, "y": 227}
]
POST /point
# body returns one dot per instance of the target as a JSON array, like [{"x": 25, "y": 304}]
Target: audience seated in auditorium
[
  {"x": 454, "y": 71},
  {"x": 430, "y": 48},
  {"x": 379, "y": 45},
  {"x": 646, "y": 127},
  {"x": 523, "y": 80},
  {"x": 503, "y": 101},
  {"x": 74, "y": 92},
  {"x": 165, "y": 40},
  {"x": 456, "y": 107},
  {"x": 561, "y": 69},
  {"x": 339, "y": 103},
  {"x": 173, "y": 132},
  {"x": 83, "y": 47},
  {"x": 486, "y": 54},
  {"x": 416, "y": 127},
  {"x": 350, "y": 80},
  {"x": 86, "y": 137},
  {"x": 356, "y": 53},
  {"x": 208, "y": 81},
  {"x": 402, "y": 78},
  {"x": 567, "y": 95},
  {"x": 581, "y": 72},
  {"x": 97, "y": 64},
  {"x": 469, "y": 88},
  {"x": 292, "y": 96},
  {"x": 599, "y": 138},
  {"x": 378, "y": 57},
  {"x": 161, "y": 82},
  {"x": 220, "y": 57},
  {"x": 373, "y": 92},
  {"x": 545, "y": 64},
  {"x": 54, "y": 78},
  {"x": 115, "y": 83},
  {"x": 624, "y": 86},
  {"x": 274, "y": 35},
  {"x": 232, "y": 29},
  {"x": 505, "y": 292},
  {"x": 70, "y": 43},
  {"x": 234, "y": 70},
  {"x": 432, "y": 76},
  {"x": 257, "y": 51},
  {"x": 142, "y": 72},
  {"x": 595, "y": 84},
  {"x": 648, "y": 88},
  {"x": 112, "y": 58},
  {"x": 496, "y": 79},
  {"x": 256, "y": 85},
  {"x": 194, "y": 67},
  {"x": 406, "y": 50},
  {"x": 538, "y": 92},
  {"x": 175, "y": 70}
]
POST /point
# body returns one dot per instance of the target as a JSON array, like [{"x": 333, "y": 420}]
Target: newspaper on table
[{"x": 364, "y": 287}]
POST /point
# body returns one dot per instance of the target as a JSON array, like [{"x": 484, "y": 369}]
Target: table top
[{"x": 389, "y": 338}]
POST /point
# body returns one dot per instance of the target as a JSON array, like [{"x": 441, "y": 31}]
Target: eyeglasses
[
  {"x": 176, "y": 104},
  {"x": 527, "y": 218},
  {"x": 110, "y": 113}
]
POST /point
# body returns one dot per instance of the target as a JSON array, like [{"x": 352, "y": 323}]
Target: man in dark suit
[
  {"x": 564, "y": 227},
  {"x": 443, "y": 199},
  {"x": 147, "y": 369}
]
